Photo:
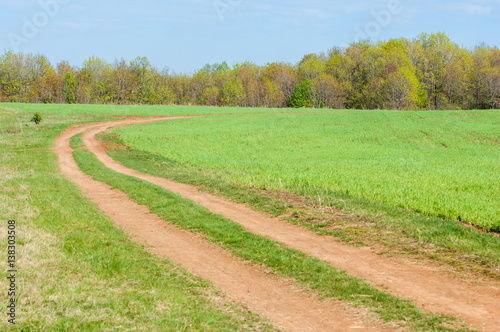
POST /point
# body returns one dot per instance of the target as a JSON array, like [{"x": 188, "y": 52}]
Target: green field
[
  {"x": 309, "y": 271},
  {"x": 443, "y": 163},
  {"x": 76, "y": 270},
  {"x": 79, "y": 272},
  {"x": 138, "y": 110}
]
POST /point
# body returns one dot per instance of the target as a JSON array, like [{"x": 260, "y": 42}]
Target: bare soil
[
  {"x": 283, "y": 301},
  {"x": 430, "y": 288}
]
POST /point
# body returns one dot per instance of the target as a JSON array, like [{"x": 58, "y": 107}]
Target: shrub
[{"x": 37, "y": 118}]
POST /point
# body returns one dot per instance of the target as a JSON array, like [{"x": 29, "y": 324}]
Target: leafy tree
[
  {"x": 166, "y": 95},
  {"x": 428, "y": 72},
  {"x": 180, "y": 85},
  {"x": 123, "y": 82},
  {"x": 422, "y": 99},
  {"x": 378, "y": 61},
  {"x": 478, "y": 78},
  {"x": 456, "y": 82},
  {"x": 142, "y": 70},
  {"x": 13, "y": 76},
  {"x": 493, "y": 78},
  {"x": 340, "y": 67},
  {"x": 43, "y": 78},
  {"x": 199, "y": 83},
  {"x": 249, "y": 75},
  {"x": 62, "y": 69},
  {"x": 327, "y": 92},
  {"x": 349, "y": 67},
  {"x": 219, "y": 73},
  {"x": 69, "y": 90},
  {"x": 402, "y": 89},
  {"x": 437, "y": 52},
  {"x": 93, "y": 77},
  {"x": 302, "y": 95},
  {"x": 210, "y": 96},
  {"x": 273, "y": 97},
  {"x": 233, "y": 93},
  {"x": 284, "y": 77},
  {"x": 311, "y": 66}
]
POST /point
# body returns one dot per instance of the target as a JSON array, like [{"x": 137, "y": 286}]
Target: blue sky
[{"x": 184, "y": 35}]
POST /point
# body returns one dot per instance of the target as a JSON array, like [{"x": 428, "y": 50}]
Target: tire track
[
  {"x": 283, "y": 301},
  {"x": 431, "y": 289}
]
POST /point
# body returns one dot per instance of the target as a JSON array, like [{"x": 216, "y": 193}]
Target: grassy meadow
[
  {"x": 136, "y": 110},
  {"x": 311, "y": 272},
  {"x": 76, "y": 270},
  {"x": 443, "y": 164}
]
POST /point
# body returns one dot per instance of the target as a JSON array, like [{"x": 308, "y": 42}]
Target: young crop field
[
  {"x": 82, "y": 267},
  {"x": 138, "y": 110},
  {"x": 442, "y": 164}
]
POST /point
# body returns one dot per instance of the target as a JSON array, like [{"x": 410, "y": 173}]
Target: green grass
[
  {"x": 163, "y": 167},
  {"x": 139, "y": 110},
  {"x": 61, "y": 233},
  {"x": 443, "y": 164},
  {"x": 397, "y": 229},
  {"x": 77, "y": 272},
  {"x": 309, "y": 271}
]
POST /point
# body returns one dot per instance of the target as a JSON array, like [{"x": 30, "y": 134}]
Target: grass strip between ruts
[
  {"x": 75, "y": 270},
  {"x": 443, "y": 240},
  {"x": 308, "y": 271}
]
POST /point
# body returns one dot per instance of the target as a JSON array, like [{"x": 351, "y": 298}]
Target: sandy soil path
[
  {"x": 283, "y": 301},
  {"x": 431, "y": 289}
]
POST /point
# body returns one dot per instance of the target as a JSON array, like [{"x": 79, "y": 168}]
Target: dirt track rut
[
  {"x": 286, "y": 304},
  {"x": 431, "y": 289}
]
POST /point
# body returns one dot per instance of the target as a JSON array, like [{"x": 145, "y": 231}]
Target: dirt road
[
  {"x": 283, "y": 301},
  {"x": 431, "y": 289}
]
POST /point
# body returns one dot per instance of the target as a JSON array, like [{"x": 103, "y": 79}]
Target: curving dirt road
[
  {"x": 283, "y": 301},
  {"x": 429, "y": 288}
]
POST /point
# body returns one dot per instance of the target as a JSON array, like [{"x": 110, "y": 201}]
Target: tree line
[{"x": 427, "y": 72}]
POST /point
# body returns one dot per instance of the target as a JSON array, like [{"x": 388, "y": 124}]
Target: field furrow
[{"x": 428, "y": 287}]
